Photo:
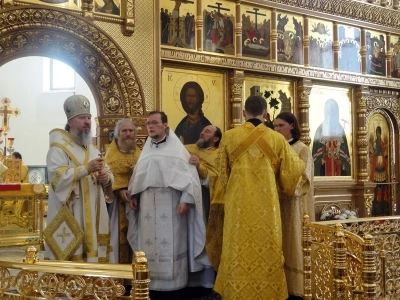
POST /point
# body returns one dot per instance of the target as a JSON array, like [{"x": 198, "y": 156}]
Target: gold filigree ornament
[
  {"x": 24, "y": 282},
  {"x": 75, "y": 287},
  {"x": 63, "y": 234},
  {"x": 48, "y": 285},
  {"x": 5, "y": 280}
]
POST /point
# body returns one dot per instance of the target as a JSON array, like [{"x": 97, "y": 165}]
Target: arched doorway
[{"x": 96, "y": 57}]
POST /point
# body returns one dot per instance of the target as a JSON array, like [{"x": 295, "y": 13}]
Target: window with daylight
[{"x": 57, "y": 76}]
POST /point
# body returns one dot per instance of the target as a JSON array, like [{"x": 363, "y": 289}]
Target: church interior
[{"x": 334, "y": 64}]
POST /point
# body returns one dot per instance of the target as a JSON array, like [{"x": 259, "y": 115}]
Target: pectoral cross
[
  {"x": 102, "y": 152},
  {"x": 63, "y": 235},
  {"x": 6, "y": 112},
  {"x": 255, "y": 12}
]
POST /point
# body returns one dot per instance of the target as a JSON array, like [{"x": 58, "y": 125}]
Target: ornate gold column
[
  {"x": 199, "y": 27},
  {"x": 364, "y": 203},
  {"x": 307, "y": 242},
  {"x": 128, "y": 12},
  {"x": 339, "y": 263},
  {"x": 236, "y": 81},
  {"x": 306, "y": 43},
  {"x": 335, "y": 46},
  {"x": 238, "y": 30},
  {"x": 87, "y": 8},
  {"x": 388, "y": 56},
  {"x": 274, "y": 36},
  {"x": 362, "y": 93},
  {"x": 363, "y": 52},
  {"x": 141, "y": 277},
  {"x": 303, "y": 96},
  {"x": 369, "y": 268}
]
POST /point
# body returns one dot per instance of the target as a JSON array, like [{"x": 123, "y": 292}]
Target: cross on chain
[
  {"x": 218, "y": 7},
  {"x": 178, "y": 23},
  {"x": 63, "y": 235},
  {"x": 6, "y": 112},
  {"x": 255, "y": 12}
]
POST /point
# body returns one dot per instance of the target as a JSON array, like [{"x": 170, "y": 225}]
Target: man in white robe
[
  {"x": 81, "y": 183},
  {"x": 170, "y": 224}
]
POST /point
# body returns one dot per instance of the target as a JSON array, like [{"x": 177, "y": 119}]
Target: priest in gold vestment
[
  {"x": 207, "y": 169},
  {"x": 203, "y": 155},
  {"x": 254, "y": 163},
  {"x": 121, "y": 156},
  {"x": 294, "y": 208}
]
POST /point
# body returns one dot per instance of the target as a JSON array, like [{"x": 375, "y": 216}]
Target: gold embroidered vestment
[{"x": 252, "y": 163}]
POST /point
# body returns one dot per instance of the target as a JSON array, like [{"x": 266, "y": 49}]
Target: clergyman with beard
[
  {"x": 192, "y": 99},
  {"x": 203, "y": 155},
  {"x": 122, "y": 155},
  {"x": 80, "y": 184}
]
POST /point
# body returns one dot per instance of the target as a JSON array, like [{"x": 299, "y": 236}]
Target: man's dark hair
[
  {"x": 218, "y": 134},
  {"x": 17, "y": 155},
  {"x": 255, "y": 105},
  {"x": 291, "y": 119},
  {"x": 164, "y": 117},
  {"x": 67, "y": 127},
  {"x": 200, "y": 95}
]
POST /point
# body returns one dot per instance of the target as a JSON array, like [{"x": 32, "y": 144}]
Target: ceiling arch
[{"x": 57, "y": 33}]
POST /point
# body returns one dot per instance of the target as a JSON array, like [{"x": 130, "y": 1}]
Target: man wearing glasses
[{"x": 166, "y": 195}]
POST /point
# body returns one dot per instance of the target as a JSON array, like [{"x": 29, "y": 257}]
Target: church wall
[
  {"x": 22, "y": 82},
  {"x": 371, "y": 28},
  {"x": 372, "y": 74},
  {"x": 140, "y": 48}
]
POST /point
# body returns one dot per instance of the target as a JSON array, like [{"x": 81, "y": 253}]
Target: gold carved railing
[
  {"x": 35, "y": 279},
  {"x": 352, "y": 259}
]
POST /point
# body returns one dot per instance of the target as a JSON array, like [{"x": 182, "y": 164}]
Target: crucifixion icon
[{"x": 256, "y": 13}]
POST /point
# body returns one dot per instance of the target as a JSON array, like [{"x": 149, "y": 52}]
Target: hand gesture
[
  {"x": 96, "y": 165},
  {"x": 123, "y": 194},
  {"x": 194, "y": 160},
  {"x": 133, "y": 203},
  {"x": 102, "y": 177},
  {"x": 182, "y": 209}
]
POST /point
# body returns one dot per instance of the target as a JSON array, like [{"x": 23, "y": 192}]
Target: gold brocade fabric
[
  {"x": 292, "y": 211},
  {"x": 121, "y": 165},
  {"x": 216, "y": 215},
  {"x": 23, "y": 174},
  {"x": 252, "y": 261}
]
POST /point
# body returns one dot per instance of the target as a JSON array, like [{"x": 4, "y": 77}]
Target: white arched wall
[{"x": 22, "y": 82}]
